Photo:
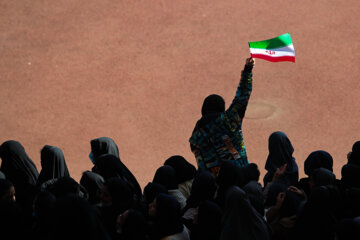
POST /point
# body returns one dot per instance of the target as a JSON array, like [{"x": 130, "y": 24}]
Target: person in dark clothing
[
  {"x": 43, "y": 213},
  {"x": 254, "y": 191},
  {"x": 240, "y": 220},
  {"x": 354, "y": 155},
  {"x": 350, "y": 188},
  {"x": 63, "y": 186},
  {"x": 281, "y": 153},
  {"x": 207, "y": 224},
  {"x": 12, "y": 222},
  {"x": 229, "y": 175},
  {"x": 166, "y": 214},
  {"x": 18, "y": 168},
  {"x": 132, "y": 225},
  {"x": 166, "y": 176},
  {"x": 217, "y": 137},
  {"x": 322, "y": 177},
  {"x": 101, "y": 146},
  {"x": 318, "y": 218},
  {"x": 316, "y": 159},
  {"x": 151, "y": 190},
  {"x": 184, "y": 171},
  {"x": 203, "y": 188},
  {"x": 22, "y": 172},
  {"x": 53, "y": 164},
  {"x": 116, "y": 197},
  {"x": 93, "y": 183},
  {"x": 75, "y": 218},
  {"x": 108, "y": 166}
]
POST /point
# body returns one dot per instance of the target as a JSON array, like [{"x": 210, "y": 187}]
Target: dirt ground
[{"x": 138, "y": 71}]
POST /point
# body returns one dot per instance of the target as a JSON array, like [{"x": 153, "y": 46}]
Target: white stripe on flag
[{"x": 277, "y": 52}]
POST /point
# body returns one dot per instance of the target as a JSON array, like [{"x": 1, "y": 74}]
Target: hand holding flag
[{"x": 278, "y": 49}]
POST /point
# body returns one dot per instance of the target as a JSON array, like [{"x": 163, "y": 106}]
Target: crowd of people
[
  {"x": 222, "y": 198},
  {"x": 181, "y": 202}
]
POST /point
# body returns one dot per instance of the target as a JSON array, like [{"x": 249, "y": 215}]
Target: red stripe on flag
[{"x": 274, "y": 59}]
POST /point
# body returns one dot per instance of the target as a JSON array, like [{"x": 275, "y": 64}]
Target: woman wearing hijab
[
  {"x": 21, "y": 171},
  {"x": 165, "y": 175},
  {"x": 354, "y": 155},
  {"x": 151, "y": 190},
  {"x": 319, "y": 216},
  {"x": 75, "y": 218},
  {"x": 316, "y": 159},
  {"x": 43, "y": 211},
  {"x": 103, "y": 145},
  {"x": 93, "y": 184},
  {"x": 184, "y": 171},
  {"x": 167, "y": 223},
  {"x": 217, "y": 137},
  {"x": 207, "y": 224},
  {"x": 229, "y": 175},
  {"x": 108, "y": 165},
  {"x": 116, "y": 197},
  {"x": 280, "y": 154},
  {"x": 254, "y": 191},
  {"x": 132, "y": 225},
  {"x": 53, "y": 164},
  {"x": 203, "y": 188},
  {"x": 240, "y": 220}
]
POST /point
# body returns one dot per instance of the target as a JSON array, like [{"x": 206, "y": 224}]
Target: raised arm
[{"x": 244, "y": 89}]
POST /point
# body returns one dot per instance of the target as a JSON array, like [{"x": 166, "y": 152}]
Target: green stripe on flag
[{"x": 280, "y": 41}]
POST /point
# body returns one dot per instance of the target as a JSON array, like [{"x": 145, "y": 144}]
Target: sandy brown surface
[{"x": 138, "y": 71}]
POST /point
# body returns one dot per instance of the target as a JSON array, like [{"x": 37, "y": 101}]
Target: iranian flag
[{"x": 277, "y": 49}]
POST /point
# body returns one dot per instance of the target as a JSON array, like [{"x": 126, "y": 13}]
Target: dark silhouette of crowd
[{"x": 181, "y": 202}]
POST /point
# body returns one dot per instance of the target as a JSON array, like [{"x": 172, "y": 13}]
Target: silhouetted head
[
  {"x": 213, "y": 104},
  {"x": 354, "y": 155}
]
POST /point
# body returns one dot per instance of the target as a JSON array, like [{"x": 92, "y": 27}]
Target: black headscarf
[
  {"x": 318, "y": 159},
  {"x": 62, "y": 186},
  {"x": 320, "y": 214},
  {"x": 166, "y": 176},
  {"x": 122, "y": 200},
  {"x": 240, "y": 220},
  {"x": 254, "y": 191},
  {"x": 354, "y": 155},
  {"x": 76, "y": 218},
  {"x": 53, "y": 164},
  {"x": 183, "y": 169},
  {"x": 322, "y": 177},
  {"x": 18, "y": 168},
  {"x": 350, "y": 176},
  {"x": 93, "y": 183},
  {"x": 109, "y": 165},
  {"x": 203, "y": 188},
  {"x": 104, "y": 145},
  {"x": 249, "y": 173},
  {"x": 212, "y": 107},
  {"x": 43, "y": 214},
  {"x": 134, "y": 226},
  {"x": 151, "y": 191},
  {"x": 208, "y": 225},
  {"x": 280, "y": 153},
  {"x": 229, "y": 175},
  {"x": 168, "y": 217}
]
